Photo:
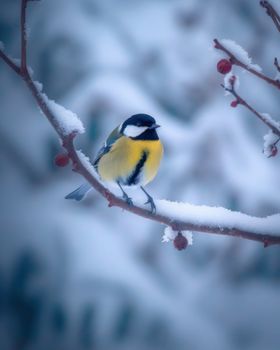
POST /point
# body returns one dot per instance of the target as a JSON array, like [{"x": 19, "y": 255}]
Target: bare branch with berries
[
  {"x": 235, "y": 61},
  {"x": 79, "y": 166},
  {"x": 240, "y": 101},
  {"x": 224, "y": 66}
]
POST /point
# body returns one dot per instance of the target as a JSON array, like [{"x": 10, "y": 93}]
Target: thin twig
[
  {"x": 237, "y": 62},
  {"x": 272, "y": 13},
  {"x": 241, "y": 101},
  {"x": 78, "y": 166},
  {"x": 9, "y": 62},
  {"x": 276, "y": 64},
  {"x": 23, "y": 36}
]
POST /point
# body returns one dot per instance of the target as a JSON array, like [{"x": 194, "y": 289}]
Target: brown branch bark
[
  {"x": 272, "y": 13},
  {"x": 237, "y": 62},
  {"x": 9, "y": 62},
  {"x": 79, "y": 166}
]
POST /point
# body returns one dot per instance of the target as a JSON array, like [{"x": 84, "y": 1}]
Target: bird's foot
[
  {"x": 152, "y": 204},
  {"x": 127, "y": 199}
]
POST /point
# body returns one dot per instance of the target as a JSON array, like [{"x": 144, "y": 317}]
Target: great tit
[{"x": 130, "y": 157}]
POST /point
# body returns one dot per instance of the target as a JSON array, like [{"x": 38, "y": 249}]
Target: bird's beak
[{"x": 154, "y": 126}]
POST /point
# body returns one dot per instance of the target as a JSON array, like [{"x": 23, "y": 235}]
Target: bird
[{"x": 130, "y": 156}]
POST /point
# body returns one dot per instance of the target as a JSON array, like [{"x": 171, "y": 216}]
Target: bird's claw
[
  {"x": 152, "y": 204},
  {"x": 128, "y": 200}
]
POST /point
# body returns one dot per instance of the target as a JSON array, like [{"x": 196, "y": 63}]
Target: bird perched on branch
[{"x": 130, "y": 157}]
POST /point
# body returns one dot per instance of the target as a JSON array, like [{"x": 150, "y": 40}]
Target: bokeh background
[{"x": 83, "y": 276}]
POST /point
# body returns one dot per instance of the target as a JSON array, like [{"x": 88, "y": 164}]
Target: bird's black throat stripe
[{"x": 133, "y": 179}]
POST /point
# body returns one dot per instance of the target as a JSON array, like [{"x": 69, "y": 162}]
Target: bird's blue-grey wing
[
  {"x": 112, "y": 138},
  {"x": 81, "y": 191}
]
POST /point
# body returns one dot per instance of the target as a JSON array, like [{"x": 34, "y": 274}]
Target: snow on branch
[
  {"x": 238, "y": 56},
  {"x": 239, "y": 53},
  {"x": 179, "y": 217},
  {"x": 67, "y": 120}
]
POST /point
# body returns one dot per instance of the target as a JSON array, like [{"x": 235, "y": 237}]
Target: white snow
[
  {"x": 16, "y": 61},
  {"x": 269, "y": 119},
  {"x": 227, "y": 82},
  {"x": 202, "y": 215},
  {"x": 241, "y": 54},
  {"x": 269, "y": 140},
  {"x": 277, "y": 76},
  {"x": 87, "y": 163},
  {"x": 38, "y": 85},
  {"x": 67, "y": 120},
  {"x": 169, "y": 235}
]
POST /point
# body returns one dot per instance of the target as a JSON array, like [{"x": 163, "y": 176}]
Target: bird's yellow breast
[{"x": 124, "y": 156}]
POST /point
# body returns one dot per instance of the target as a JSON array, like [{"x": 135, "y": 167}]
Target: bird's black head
[{"x": 140, "y": 127}]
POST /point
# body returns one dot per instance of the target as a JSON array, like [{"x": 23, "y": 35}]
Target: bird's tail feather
[{"x": 79, "y": 193}]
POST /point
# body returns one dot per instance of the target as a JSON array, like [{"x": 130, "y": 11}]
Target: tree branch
[
  {"x": 84, "y": 170},
  {"x": 276, "y": 64},
  {"x": 23, "y": 36},
  {"x": 9, "y": 62},
  {"x": 273, "y": 125},
  {"x": 237, "y": 62},
  {"x": 272, "y": 13}
]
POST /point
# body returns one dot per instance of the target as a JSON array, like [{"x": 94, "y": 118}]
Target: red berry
[
  {"x": 273, "y": 151},
  {"x": 234, "y": 103},
  {"x": 61, "y": 159},
  {"x": 224, "y": 66},
  {"x": 180, "y": 242}
]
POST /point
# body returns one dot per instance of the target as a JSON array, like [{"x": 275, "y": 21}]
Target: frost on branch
[
  {"x": 269, "y": 146},
  {"x": 86, "y": 162},
  {"x": 241, "y": 54},
  {"x": 269, "y": 119},
  {"x": 231, "y": 80},
  {"x": 68, "y": 122}
]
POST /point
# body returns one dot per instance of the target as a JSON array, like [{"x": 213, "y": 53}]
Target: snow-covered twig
[
  {"x": 272, "y": 13},
  {"x": 234, "y": 60},
  {"x": 271, "y": 123},
  {"x": 178, "y": 216}
]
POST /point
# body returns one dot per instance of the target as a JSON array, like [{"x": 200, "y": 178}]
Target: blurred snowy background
[{"x": 83, "y": 276}]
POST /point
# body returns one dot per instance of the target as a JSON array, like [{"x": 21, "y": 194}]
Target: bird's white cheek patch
[{"x": 134, "y": 131}]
